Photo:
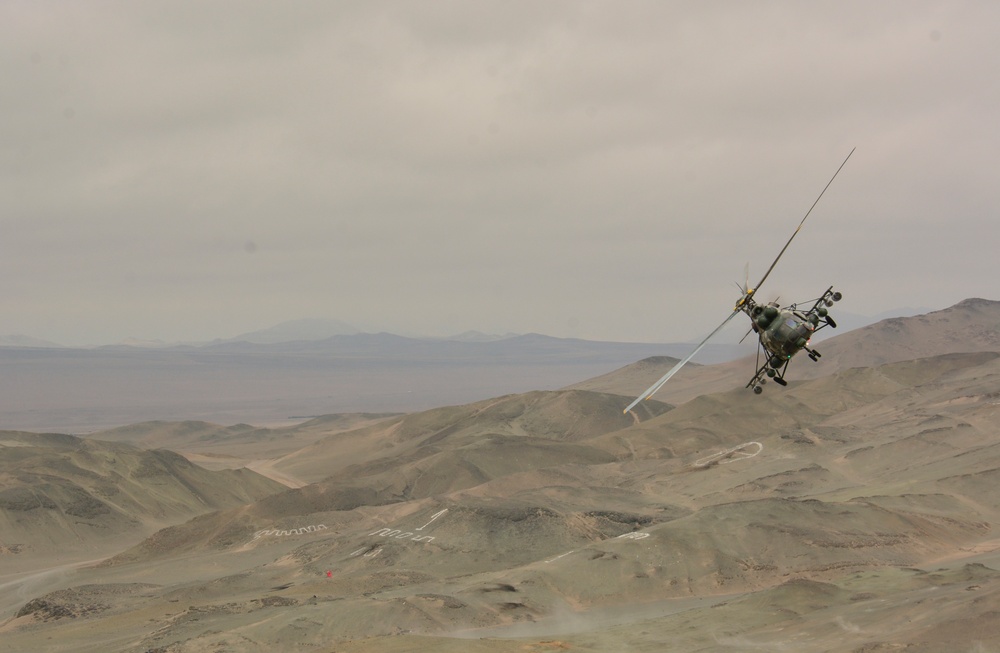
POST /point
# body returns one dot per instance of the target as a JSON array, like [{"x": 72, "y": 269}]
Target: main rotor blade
[
  {"x": 673, "y": 370},
  {"x": 757, "y": 287}
]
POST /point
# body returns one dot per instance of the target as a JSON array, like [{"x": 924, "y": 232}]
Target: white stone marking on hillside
[
  {"x": 433, "y": 517},
  {"x": 396, "y": 534},
  {"x": 560, "y": 556},
  {"x": 739, "y": 452},
  {"x": 399, "y": 534},
  {"x": 632, "y": 536},
  {"x": 313, "y": 528}
]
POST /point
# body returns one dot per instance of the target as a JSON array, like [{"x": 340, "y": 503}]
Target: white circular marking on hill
[
  {"x": 632, "y": 536},
  {"x": 739, "y": 452}
]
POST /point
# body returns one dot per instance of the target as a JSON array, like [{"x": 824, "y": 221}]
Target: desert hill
[
  {"x": 215, "y": 446},
  {"x": 416, "y": 457},
  {"x": 971, "y": 325},
  {"x": 855, "y": 511},
  {"x": 563, "y": 416},
  {"x": 60, "y": 489}
]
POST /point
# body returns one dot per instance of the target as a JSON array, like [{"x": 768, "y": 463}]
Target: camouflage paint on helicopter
[{"x": 784, "y": 332}]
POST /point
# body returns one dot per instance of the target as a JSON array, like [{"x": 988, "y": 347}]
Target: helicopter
[{"x": 781, "y": 332}]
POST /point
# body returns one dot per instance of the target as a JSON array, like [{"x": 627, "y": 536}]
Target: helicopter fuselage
[{"x": 784, "y": 333}]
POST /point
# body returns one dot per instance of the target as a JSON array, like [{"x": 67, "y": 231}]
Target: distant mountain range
[
  {"x": 269, "y": 383},
  {"x": 317, "y": 329},
  {"x": 305, "y": 329},
  {"x": 81, "y": 390},
  {"x": 17, "y": 340}
]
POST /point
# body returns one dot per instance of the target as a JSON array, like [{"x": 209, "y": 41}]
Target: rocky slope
[{"x": 854, "y": 511}]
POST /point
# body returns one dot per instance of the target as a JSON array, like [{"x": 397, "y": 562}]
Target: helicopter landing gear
[
  {"x": 757, "y": 383},
  {"x": 773, "y": 368}
]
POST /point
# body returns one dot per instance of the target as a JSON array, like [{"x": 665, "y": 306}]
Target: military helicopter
[{"x": 781, "y": 332}]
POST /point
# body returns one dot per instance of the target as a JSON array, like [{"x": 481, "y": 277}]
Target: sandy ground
[{"x": 851, "y": 512}]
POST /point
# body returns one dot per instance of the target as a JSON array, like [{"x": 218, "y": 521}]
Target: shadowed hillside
[{"x": 66, "y": 495}]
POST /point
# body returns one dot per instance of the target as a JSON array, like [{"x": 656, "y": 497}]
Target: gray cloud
[{"x": 595, "y": 169}]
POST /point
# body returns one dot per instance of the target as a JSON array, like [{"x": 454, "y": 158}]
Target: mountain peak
[
  {"x": 293, "y": 330},
  {"x": 977, "y": 303}
]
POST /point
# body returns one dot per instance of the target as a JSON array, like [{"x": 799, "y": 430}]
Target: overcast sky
[{"x": 604, "y": 170}]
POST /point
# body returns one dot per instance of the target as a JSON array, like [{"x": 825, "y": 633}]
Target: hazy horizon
[
  {"x": 184, "y": 172},
  {"x": 849, "y": 320}
]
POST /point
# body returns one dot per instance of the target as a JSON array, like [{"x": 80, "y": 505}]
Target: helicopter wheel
[{"x": 757, "y": 389}]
